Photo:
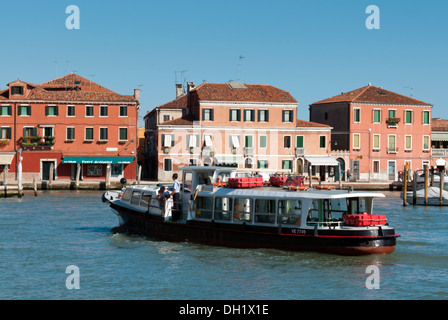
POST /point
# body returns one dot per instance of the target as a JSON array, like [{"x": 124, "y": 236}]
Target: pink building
[
  {"x": 380, "y": 129},
  {"x": 234, "y": 124}
]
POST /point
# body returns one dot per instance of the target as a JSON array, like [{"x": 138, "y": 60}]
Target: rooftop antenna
[
  {"x": 239, "y": 68},
  {"x": 409, "y": 89},
  {"x": 182, "y": 79}
]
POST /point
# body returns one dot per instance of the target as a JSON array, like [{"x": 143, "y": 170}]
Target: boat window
[
  {"x": 188, "y": 181},
  {"x": 204, "y": 207},
  {"x": 264, "y": 211},
  {"x": 338, "y": 208},
  {"x": 205, "y": 178},
  {"x": 356, "y": 205},
  {"x": 242, "y": 210},
  {"x": 127, "y": 195},
  {"x": 289, "y": 211},
  {"x": 146, "y": 197},
  {"x": 223, "y": 209},
  {"x": 135, "y": 197}
]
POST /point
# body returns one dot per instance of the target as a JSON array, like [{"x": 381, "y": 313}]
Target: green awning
[{"x": 98, "y": 160}]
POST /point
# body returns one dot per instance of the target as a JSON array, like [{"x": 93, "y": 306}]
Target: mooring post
[
  {"x": 442, "y": 173},
  {"x": 414, "y": 188},
  {"x": 405, "y": 189},
  {"x": 426, "y": 183}
]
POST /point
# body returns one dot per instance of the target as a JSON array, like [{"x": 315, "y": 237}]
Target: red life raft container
[{"x": 365, "y": 219}]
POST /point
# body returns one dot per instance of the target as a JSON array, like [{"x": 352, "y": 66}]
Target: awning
[
  {"x": 323, "y": 161},
  {"x": 229, "y": 159},
  {"x": 98, "y": 160},
  {"x": 6, "y": 158},
  {"x": 439, "y": 136}
]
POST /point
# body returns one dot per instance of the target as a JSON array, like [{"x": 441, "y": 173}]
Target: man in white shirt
[{"x": 176, "y": 213}]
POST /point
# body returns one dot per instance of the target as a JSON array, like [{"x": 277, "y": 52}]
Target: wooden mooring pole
[
  {"x": 442, "y": 174},
  {"x": 405, "y": 188},
  {"x": 426, "y": 183},
  {"x": 414, "y": 188}
]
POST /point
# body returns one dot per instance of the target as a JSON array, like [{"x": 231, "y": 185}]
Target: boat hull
[{"x": 350, "y": 241}]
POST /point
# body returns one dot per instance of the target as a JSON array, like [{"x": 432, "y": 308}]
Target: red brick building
[
  {"x": 249, "y": 126},
  {"x": 68, "y": 124},
  {"x": 381, "y": 130}
]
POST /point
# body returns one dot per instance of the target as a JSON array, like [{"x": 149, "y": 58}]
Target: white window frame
[
  {"x": 423, "y": 143},
  {"x": 251, "y": 112},
  {"x": 354, "y": 113},
  {"x": 252, "y": 140},
  {"x": 359, "y": 141},
  {"x": 412, "y": 116},
  {"x": 259, "y": 141},
  {"x": 107, "y": 110},
  {"x": 388, "y": 137},
  {"x": 379, "y": 141},
  {"x": 405, "y": 147},
  {"x": 99, "y": 131},
  {"x": 127, "y": 134},
  {"x": 291, "y": 143},
  {"x": 66, "y": 133},
  {"x": 93, "y": 111},
  {"x": 373, "y": 166},
  {"x": 85, "y": 133},
  {"x": 429, "y": 117},
  {"x": 74, "y": 111},
  {"x": 373, "y": 115},
  {"x": 119, "y": 111}
]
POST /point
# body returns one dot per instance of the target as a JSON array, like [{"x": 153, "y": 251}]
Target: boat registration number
[{"x": 298, "y": 231}]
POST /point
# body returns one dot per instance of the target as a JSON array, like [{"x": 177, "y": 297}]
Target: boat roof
[
  {"x": 208, "y": 168},
  {"x": 312, "y": 194}
]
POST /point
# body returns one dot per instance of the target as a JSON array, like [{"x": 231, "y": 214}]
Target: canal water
[{"x": 40, "y": 237}]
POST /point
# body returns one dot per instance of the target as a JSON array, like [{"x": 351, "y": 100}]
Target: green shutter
[{"x": 299, "y": 142}]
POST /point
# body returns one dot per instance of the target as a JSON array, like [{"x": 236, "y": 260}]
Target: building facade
[
  {"x": 381, "y": 130},
  {"x": 67, "y": 126},
  {"x": 439, "y": 142},
  {"x": 234, "y": 124}
]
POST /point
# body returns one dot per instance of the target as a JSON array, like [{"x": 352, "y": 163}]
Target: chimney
[
  {"x": 179, "y": 90},
  {"x": 190, "y": 86},
  {"x": 137, "y": 94}
]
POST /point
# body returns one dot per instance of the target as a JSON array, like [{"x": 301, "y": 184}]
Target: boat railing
[{"x": 327, "y": 223}]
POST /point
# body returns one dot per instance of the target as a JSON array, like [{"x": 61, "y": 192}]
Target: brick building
[
  {"x": 69, "y": 124},
  {"x": 234, "y": 124},
  {"x": 381, "y": 130}
]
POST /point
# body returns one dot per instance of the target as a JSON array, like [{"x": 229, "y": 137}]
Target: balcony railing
[
  {"x": 439, "y": 152},
  {"x": 300, "y": 152},
  {"x": 36, "y": 141},
  {"x": 248, "y": 152},
  {"x": 392, "y": 122}
]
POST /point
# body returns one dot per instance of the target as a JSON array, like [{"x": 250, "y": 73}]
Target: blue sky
[{"x": 313, "y": 49}]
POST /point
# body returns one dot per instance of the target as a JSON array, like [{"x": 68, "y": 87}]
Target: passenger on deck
[{"x": 163, "y": 194}]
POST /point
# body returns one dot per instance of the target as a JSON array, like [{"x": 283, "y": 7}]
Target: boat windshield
[{"x": 333, "y": 210}]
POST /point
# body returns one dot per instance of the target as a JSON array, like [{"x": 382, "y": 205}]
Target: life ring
[
  {"x": 324, "y": 187},
  {"x": 219, "y": 184}
]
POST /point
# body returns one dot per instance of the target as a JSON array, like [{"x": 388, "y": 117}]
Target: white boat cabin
[{"x": 267, "y": 206}]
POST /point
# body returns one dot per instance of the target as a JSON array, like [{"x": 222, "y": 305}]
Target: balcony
[
  {"x": 208, "y": 152},
  {"x": 392, "y": 122},
  {"x": 300, "y": 152},
  {"x": 248, "y": 152},
  {"x": 36, "y": 143},
  {"x": 439, "y": 152}
]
